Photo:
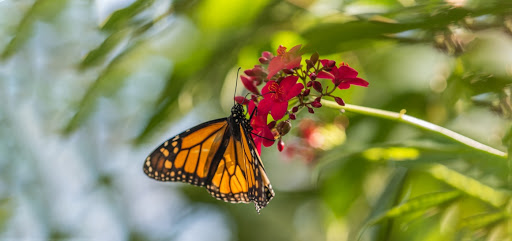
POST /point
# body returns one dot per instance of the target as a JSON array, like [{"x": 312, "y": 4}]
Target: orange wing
[{"x": 188, "y": 156}]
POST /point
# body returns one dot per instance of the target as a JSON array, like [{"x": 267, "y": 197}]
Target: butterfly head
[{"x": 237, "y": 110}]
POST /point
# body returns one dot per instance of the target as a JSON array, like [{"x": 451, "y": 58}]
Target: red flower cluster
[{"x": 280, "y": 74}]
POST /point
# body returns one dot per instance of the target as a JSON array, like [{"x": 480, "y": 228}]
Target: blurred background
[{"x": 88, "y": 88}]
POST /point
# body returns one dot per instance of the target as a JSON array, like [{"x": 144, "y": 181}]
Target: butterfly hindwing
[
  {"x": 219, "y": 155},
  {"x": 263, "y": 191},
  {"x": 231, "y": 180}
]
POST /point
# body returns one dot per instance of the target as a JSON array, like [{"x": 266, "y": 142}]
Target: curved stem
[{"x": 402, "y": 117}]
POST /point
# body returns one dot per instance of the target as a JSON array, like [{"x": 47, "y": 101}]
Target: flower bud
[
  {"x": 292, "y": 116},
  {"x": 241, "y": 100},
  {"x": 306, "y": 92},
  {"x": 330, "y": 63},
  {"x": 310, "y": 110},
  {"x": 258, "y": 71},
  {"x": 317, "y": 86},
  {"x": 280, "y": 145},
  {"x": 263, "y": 60},
  {"x": 339, "y": 101},
  {"x": 249, "y": 72},
  {"x": 288, "y": 71},
  {"x": 249, "y": 84},
  {"x": 316, "y": 104},
  {"x": 272, "y": 124},
  {"x": 267, "y": 55},
  {"x": 257, "y": 80},
  {"x": 295, "y": 109},
  {"x": 309, "y": 84},
  {"x": 309, "y": 64},
  {"x": 314, "y": 58},
  {"x": 312, "y": 76},
  {"x": 284, "y": 127}
]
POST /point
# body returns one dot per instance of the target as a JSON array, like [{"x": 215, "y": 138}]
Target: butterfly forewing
[{"x": 187, "y": 157}]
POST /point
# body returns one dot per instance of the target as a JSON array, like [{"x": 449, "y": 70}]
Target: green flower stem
[{"x": 402, "y": 117}]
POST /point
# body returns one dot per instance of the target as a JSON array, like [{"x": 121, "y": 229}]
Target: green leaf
[
  {"x": 483, "y": 220},
  {"x": 98, "y": 55},
  {"x": 329, "y": 38},
  {"x": 168, "y": 102},
  {"x": 40, "y": 10},
  {"x": 108, "y": 82},
  {"x": 187, "y": 71},
  {"x": 163, "y": 112},
  {"x": 120, "y": 18},
  {"x": 420, "y": 203},
  {"x": 417, "y": 153},
  {"x": 386, "y": 200},
  {"x": 342, "y": 185},
  {"x": 468, "y": 185}
]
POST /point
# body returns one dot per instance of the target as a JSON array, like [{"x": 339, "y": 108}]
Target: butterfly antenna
[{"x": 236, "y": 83}]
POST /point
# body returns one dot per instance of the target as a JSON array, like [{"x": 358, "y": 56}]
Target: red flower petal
[
  {"x": 265, "y": 90},
  {"x": 358, "y": 81},
  {"x": 288, "y": 60},
  {"x": 325, "y": 75},
  {"x": 288, "y": 82},
  {"x": 295, "y": 49},
  {"x": 251, "y": 106},
  {"x": 259, "y": 121},
  {"x": 261, "y": 133},
  {"x": 345, "y": 84},
  {"x": 279, "y": 110},
  {"x": 293, "y": 57},
  {"x": 275, "y": 65},
  {"x": 241, "y": 100},
  {"x": 293, "y": 63},
  {"x": 265, "y": 106},
  {"x": 258, "y": 146},
  {"x": 347, "y": 72},
  {"x": 294, "y": 91},
  {"x": 268, "y": 137},
  {"x": 249, "y": 84},
  {"x": 328, "y": 62}
]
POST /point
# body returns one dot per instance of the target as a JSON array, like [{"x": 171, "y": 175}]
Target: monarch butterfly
[{"x": 219, "y": 155}]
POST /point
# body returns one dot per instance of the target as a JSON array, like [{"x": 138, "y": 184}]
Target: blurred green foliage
[{"x": 153, "y": 63}]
